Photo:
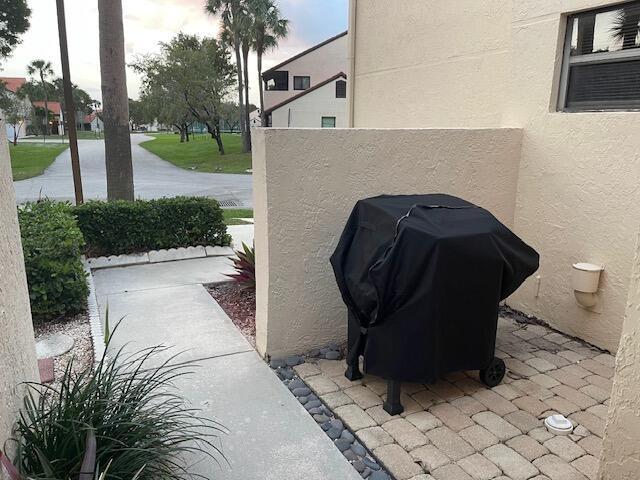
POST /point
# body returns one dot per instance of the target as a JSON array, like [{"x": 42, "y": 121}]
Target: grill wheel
[{"x": 494, "y": 373}]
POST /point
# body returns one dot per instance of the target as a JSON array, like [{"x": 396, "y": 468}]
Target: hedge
[
  {"x": 117, "y": 227},
  {"x": 52, "y": 244}
]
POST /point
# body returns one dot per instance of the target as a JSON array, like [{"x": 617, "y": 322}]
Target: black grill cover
[{"x": 422, "y": 276}]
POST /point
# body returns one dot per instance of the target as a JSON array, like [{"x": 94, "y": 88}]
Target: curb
[
  {"x": 97, "y": 332},
  {"x": 158, "y": 256}
]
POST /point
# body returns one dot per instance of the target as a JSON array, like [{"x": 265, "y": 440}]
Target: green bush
[
  {"x": 113, "y": 228},
  {"x": 52, "y": 245}
]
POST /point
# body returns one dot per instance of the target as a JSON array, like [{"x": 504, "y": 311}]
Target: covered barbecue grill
[{"x": 422, "y": 276}]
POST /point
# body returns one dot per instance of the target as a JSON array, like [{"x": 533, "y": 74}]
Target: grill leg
[
  {"x": 353, "y": 372},
  {"x": 392, "y": 405}
]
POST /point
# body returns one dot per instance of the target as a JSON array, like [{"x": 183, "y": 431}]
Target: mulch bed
[
  {"x": 239, "y": 304},
  {"x": 79, "y": 329}
]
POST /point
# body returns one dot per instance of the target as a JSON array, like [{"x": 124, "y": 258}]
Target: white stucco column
[
  {"x": 621, "y": 447},
  {"x": 17, "y": 349}
]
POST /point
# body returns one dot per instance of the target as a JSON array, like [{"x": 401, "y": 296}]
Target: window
[
  {"x": 601, "y": 64},
  {"x": 328, "y": 122},
  {"x": 276, "y": 80},
  {"x": 301, "y": 83},
  {"x": 341, "y": 89}
]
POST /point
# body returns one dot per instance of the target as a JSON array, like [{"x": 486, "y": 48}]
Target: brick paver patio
[{"x": 458, "y": 429}]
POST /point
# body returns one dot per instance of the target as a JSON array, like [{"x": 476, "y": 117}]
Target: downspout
[{"x": 351, "y": 78}]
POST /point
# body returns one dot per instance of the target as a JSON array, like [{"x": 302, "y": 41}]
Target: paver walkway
[
  {"x": 271, "y": 435},
  {"x": 153, "y": 178},
  {"x": 458, "y": 429}
]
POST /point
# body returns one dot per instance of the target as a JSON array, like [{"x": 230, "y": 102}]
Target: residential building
[
  {"x": 12, "y": 85},
  {"x": 56, "y": 119},
  {"x": 528, "y": 108},
  {"x": 323, "y": 105},
  {"x": 309, "y": 89},
  {"x": 93, "y": 122}
]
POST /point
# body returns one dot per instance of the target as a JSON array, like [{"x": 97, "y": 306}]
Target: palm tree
[
  {"x": 115, "y": 101},
  {"x": 268, "y": 29},
  {"x": 626, "y": 26},
  {"x": 43, "y": 70},
  {"x": 234, "y": 19}
]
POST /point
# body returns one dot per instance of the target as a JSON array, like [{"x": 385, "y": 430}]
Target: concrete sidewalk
[{"x": 271, "y": 436}]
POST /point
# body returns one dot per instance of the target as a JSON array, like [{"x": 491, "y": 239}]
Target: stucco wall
[
  {"x": 17, "y": 349},
  {"x": 305, "y": 185},
  {"x": 495, "y": 63},
  {"x": 308, "y": 110},
  {"x": 621, "y": 446},
  {"x": 320, "y": 64},
  {"x": 578, "y": 189},
  {"x": 429, "y": 63}
]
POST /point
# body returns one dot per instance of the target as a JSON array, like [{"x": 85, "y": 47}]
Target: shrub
[
  {"x": 52, "y": 245},
  {"x": 126, "y": 419},
  {"x": 245, "y": 265},
  {"x": 114, "y": 228}
]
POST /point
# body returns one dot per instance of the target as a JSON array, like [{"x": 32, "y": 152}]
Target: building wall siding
[{"x": 17, "y": 349}]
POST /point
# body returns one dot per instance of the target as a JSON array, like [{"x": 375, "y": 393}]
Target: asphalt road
[{"x": 152, "y": 176}]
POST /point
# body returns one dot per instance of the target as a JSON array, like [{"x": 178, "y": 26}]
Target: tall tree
[
  {"x": 267, "y": 29},
  {"x": 246, "y": 48},
  {"x": 42, "y": 70},
  {"x": 188, "y": 81},
  {"x": 115, "y": 101},
  {"x": 14, "y": 21},
  {"x": 233, "y": 16}
]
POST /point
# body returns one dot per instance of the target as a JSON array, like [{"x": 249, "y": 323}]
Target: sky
[{"x": 148, "y": 22}]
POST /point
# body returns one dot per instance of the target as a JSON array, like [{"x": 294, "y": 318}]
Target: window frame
[
  {"x": 327, "y": 117},
  {"x": 296, "y": 77},
  {"x": 569, "y": 61},
  {"x": 340, "y": 82},
  {"x": 280, "y": 79}
]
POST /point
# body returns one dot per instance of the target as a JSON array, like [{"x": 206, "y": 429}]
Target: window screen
[
  {"x": 328, "y": 122},
  {"x": 341, "y": 89},
  {"x": 601, "y": 64},
  {"x": 301, "y": 83}
]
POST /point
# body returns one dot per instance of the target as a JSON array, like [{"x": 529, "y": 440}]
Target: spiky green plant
[
  {"x": 245, "y": 265},
  {"x": 143, "y": 428}
]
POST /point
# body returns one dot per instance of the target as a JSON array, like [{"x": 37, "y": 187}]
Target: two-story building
[{"x": 309, "y": 89}]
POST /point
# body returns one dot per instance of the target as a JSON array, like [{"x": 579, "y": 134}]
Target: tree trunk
[
  {"x": 214, "y": 131},
  {"x": 243, "y": 132},
  {"x": 247, "y": 122},
  {"x": 115, "y": 102},
  {"x": 186, "y": 132},
  {"x": 181, "y": 130},
  {"x": 263, "y": 117}
]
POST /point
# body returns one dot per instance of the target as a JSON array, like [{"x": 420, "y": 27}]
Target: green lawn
[
  {"x": 30, "y": 159},
  {"x": 231, "y": 214},
  {"x": 201, "y": 153}
]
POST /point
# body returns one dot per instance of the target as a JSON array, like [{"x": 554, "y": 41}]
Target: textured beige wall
[
  {"x": 621, "y": 446},
  {"x": 306, "y": 183},
  {"x": 578, "y": 197},
  {"x": 17, "y": 349},
  {"x": 495, "y": 63},
  {"x": 430, "y": 63}
]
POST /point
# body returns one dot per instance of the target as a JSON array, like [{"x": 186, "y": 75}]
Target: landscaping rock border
[
  {"x": 360, "y": 458},
  {"x": 158, "y": 256}
]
